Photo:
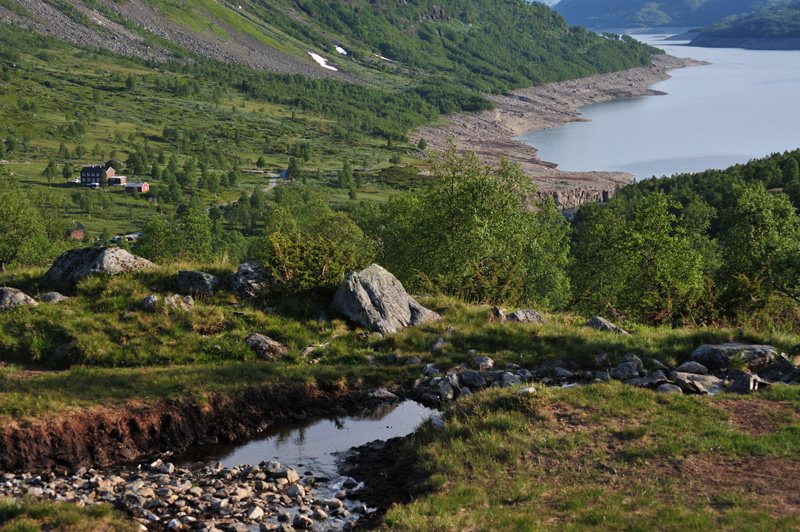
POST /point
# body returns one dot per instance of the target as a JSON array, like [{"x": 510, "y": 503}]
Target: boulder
[
  {"x": 265, "y": 347},
  {"x": 438, "y": 345},
  {"x": 249, "y": 280},
  {"x": 482, "y": 363},
  {"x": 175, "y": 302},
  {"x": 691, "y": 383},
  {"x": 526, "y": 316},
  {"x": 150, "y": 302},
  {"x": 692, "y": 367},
  {"x": 747, "y": 383},
  {"x": 473, "y": 379},
  {"x": 625, "y": 371},
  {"x": 498, "y": 314},
  {"x": 52, "y": 298},
  {"x": 511, "y": 379},
  {"x": 193, "y": 283},
  {"x": 375, "y": 299},
  {"x": 669, "y": 388},
  {"x": 602, "y": 324},
  {"x": 652, "y": 380},
  {"x": 12, "y": 297},
  {"x": 76, "y": 264},
  {"x": 719, "y": 356},
  {"x": 777, "y": 371}
]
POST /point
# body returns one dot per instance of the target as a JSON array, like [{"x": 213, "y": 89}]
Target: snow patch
[
  {"x": 321, "y": 61},
  {"x": 341, "y": 50},
  {"x": 384, "y": 58}
]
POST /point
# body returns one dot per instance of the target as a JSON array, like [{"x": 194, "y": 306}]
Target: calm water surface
[{"x": 745, "y": 105}]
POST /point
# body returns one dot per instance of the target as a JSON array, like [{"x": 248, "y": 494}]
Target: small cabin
[
  {"x": 94, "y": 174},
  {"x": 77, "y": 232},
  {"x": 137, "y": 187},
  {"x": 117, "y": 180}
]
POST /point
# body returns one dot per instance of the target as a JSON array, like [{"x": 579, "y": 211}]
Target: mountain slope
[
  {"x": 487, "y": 46},
  {"x": 773, "y": 27},
  {"x": 644, "y": 13}
]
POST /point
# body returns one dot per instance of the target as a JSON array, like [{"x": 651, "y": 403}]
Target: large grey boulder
[
  {"x": 52, "y": 298},
  {"x": 77, "y": 264},
  {"x": 193, "y": 283},
  {"x": 375, "y": 299},
  {"x": 249, "y": 280},
  {"x": 692, "y": 383},
  {"x": 13, "y": 297},
  {"x": 526, "y": 316},
  {"x": 719, "y": 356},
  {"x": 602, "y": 324}
]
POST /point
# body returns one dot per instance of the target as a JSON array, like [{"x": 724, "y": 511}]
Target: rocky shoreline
[{"x": 490, "y": 133}]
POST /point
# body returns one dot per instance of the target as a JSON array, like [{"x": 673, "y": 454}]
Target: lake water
[{"x": 745, "y": 105}]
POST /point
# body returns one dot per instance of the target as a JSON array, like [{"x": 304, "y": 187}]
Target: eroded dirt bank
[
  {"x": 490, "y": 133},
  {"x": 103, "y": 436}
]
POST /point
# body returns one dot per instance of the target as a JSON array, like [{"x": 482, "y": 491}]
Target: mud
[{"x": 104, "y": 435}]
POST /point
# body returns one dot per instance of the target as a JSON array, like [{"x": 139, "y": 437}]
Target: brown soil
[
  {"x": 489, "y": 133},
  {"x": 104, "y": 436},
  {"x": 757, "y": 416}
]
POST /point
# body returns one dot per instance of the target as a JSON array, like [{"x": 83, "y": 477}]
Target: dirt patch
[
  {"x": 757, "y": 416},
  {"x": 104, "y": 436},
  {"x": 774, "y": 481}
]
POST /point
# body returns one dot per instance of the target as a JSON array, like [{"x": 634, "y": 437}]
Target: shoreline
[{"x": 490, "y": 133}]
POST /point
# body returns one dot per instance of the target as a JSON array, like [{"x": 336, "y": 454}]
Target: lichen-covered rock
[
  {"x": 193, "y": 283},
  {"x": 692, "y": 367},
  {"x": 719, "y": 356},
  {"x": 13, "y": 297},
  {"x": 52, "y": 298},
  {"x": 175, "y": 302},
  {"x": 265, "y": 347},
  {"x": 625, "y": 371},
  {"x": 691, "y": 383},
  {"x": 249, "y": 280},
  {"x": 150, "y": 302},
  {"x": 375, "y": 299},
  {"x": 526, "y": 316},
  {"x": 669, "y": 388},
  {"x": 652, "y": 380},
  {"x": 482, "y": 363},
  {"x": 473, "y": 379},
  {"x": 77, "y": 264},
  {"x": 602, "y": 324}
]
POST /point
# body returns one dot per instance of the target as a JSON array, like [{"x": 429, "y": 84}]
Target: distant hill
[
  {"x": 644, "y": 13},
  {"x": 776, "y": 27}
]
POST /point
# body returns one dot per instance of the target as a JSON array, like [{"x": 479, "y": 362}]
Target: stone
[
  {"x": 288, "y": 473},
  {"x": 438, "y": 345},
  {"x": 630, "y": 357},
  {"x": 13, "y": 297},
  {"x": 625, "y": 371},
  {"x": 319, "y": 514},
  {"x": 446, "y": 391},
  {"x": 719, "y": 356},
  {"x": 383, "y": 394},
  {"x": 473, "y": 379},
  {"x": 525, "y": 375},
  {"x": 296, "y": 491},
  {"x": 601, "y": 361},
  {"x": 303, "y": 522},
  {"x": 193, "y": 282},
  {"x": 482, "y": 363},
  {"x": 530, "y": 390},
  {"x": 602, "y": 324},
  {"x": 413, "y": 361},
  {"x": 265, "y": 347},
  {"x": 176, "y": 302},
  {"x": 747, "y": 383},
  {"x": 602, "y": 376},
  {"x": 669, "y": 388},
  {"x": 652, "y": 380},
  {"x": 249, "y": 280},
  {"x": 52, "y": 297},
  {"x": 393, "y": 358},
  {"x": 526, "y": 316},
  {"x": 437, "y": 423},
  {"x": 511, "y": 379},
  {"x": 498, "y": 314},
  {"x": 657, "y": 364},
  {"x": 561, "y": 374},
  {"x": 150, "y": 302},
  {"x": 76, "y": 264},
  {"x": 778, "y": 370},
  {"x": 430, "y": 369},
  {"x": 375, "y": 299},
  {"x": 691, "y": 383},
  {"x": 693, "y": 367}
]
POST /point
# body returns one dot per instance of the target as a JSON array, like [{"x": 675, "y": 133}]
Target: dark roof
[{"x": 79, "y": 227}]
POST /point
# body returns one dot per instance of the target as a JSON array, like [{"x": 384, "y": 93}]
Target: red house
[
  {"x": 77, "y": 232},
  {"x": 137, "y": 187}
]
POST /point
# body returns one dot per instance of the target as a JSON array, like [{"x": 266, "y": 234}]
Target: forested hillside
[
  {"x": 641, "y": 13},
  {"x": 777, "y": 22}
]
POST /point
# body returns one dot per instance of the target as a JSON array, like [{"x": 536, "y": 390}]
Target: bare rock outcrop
[
  {"x": 720, "y": 356},
  {"x": 375, "y": 299},
  {"x": 77, "y": 264},
  {"x": 249, "y": 280},
  {"x": 192, "y": 282}
]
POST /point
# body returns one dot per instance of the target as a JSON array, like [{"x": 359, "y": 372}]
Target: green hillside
[
  {"x": 773, "y": 22},
  {"x": 641, "y": 13}
]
